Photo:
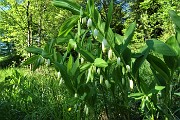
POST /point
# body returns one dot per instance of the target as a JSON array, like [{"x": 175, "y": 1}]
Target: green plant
[{"x": 99, "y": 69}]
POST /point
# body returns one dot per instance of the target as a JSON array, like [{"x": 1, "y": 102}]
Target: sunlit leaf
[{"x": 100, "y": 63}]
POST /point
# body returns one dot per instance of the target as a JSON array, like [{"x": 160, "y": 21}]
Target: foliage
[
  {"x": 152, "y": 20},
  {"x": 26, "y": 95},
  {"x": 109, "y": 76},
  {"x": 42, "y": 17}
]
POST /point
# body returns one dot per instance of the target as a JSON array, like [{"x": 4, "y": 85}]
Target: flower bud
[
  {"x": 108, "y": 85},
  {"x": 118, "y": 61},
  {"x": 84, "y": 20},
  {"x": 89, "y": 76},
  {"x": 61, "y": 81},
  {"x": 87, "y": 111},
  {"x": 95, "y": 33},
  {"x": 131, "y": 84},
  {"x": 82, "y": 60},
  {"x": 110, "y": 54},
  {"x": 89, "y": 22},
  {"x": 128, "y": 68},
  {"x": 123, "y": 81},
  {"x": 75, "y": 95},
  {"x": 104, "y": 45},
  {"x": 98, "y": 71},
  {"x": 58, "y": 74},
  {"x": 48, "y": 62},
  {"x": 75, "y": 46},
  {"x": 69, "y": 109},
  {"x": 95, "y": 83},
  {"x": 101, "y": 79}
]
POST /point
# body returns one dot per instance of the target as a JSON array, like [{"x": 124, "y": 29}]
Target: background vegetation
[{"x": 89, "y": 59}]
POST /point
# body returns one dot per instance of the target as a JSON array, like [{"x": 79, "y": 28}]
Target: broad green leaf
[
  {"x": 109, "y": 17},
  {"x": 110, "y": 37},
  {"x": 68, "y": 25},
  {"x": 127, "y": 56},
  {"x": 128, "y": 36},
  {"x": 75, "y": 66},
  {"x": 62, "y": 39},
  {"x": 46, "y": 55},
  {"x": 159, "y": 88},
  {"x": 159, "y": 66},
  {"x": 100, "y": 63},
  {"x": 31, "y": 60},
  {"x": 85, "y": 67},
  {"x": 160, "y": 80},
  {"x": 172, "y": 61},
  {"x": 177, "y": 94},
  {"x": 97, "y": 17},
  {"x": 160, "y": 47},
  {"x": 70, "y": 5},
  {"x": 37, "y": 63},
  {"x": 175, "y": 18},
  {"x": 69, "y": 65},
  {"x": 87, "y": 55},
  {"x": 119, "y": 39},
  {"x": 136, "y": 95},
  {"x": 173, "y": 43},
  {"x": 34, "y": 50},
  {"x": 67, "y": 80},
  {"x": 139, "y": 61}
]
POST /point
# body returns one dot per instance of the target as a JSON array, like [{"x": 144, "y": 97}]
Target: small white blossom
[
  {"x": 104, "y": 45},
  {"x": 48, "y": 62},
  {"x": 128, "y": 68},
  {"x": 110, "y": 54},
  {"x": 84, "y": 20},
  {"x": 75, "y": 46},
  {"x": 98, "y": 71},
  {"x": 108, "y": 85},
  {"x": 89, "y": 22},
  {"x": 75, "y": 95},
  {"x": 131, "y": 84},
  {"x": 61, "y": 81},
  {"x": 95, "y": 33},
  {"x": 89, "y": 76},
  {"x": 82, "y": 60},
  {"x": 58, "y": 74},
  {"x": 118, "y": 61},
  {"x": 101, "y": 79},
  {"x": 87, "y": 111}
]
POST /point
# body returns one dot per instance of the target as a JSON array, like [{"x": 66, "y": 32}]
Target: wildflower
[
  {"x": 84, "y": 20},
  {"x": 82, "y": 60},
  {"x": 104, "y": 45},
  {"x": 75, "y": 95},
  {"x": 61, "y": 81},
  {"x": 108, "y": 85},
  {"x": 89, "y": 22},
  {"x": 58, "y": 74},
  {"x": 89, "y": 76},
  {"x": 101, "y": 79},
  {"x": 131, "y": 84},
  {"x": 98, "y": 71},
  {"x": 69, "y": 109},
  {"x": 118, "y": 61},
  {"x": 95, "y": 33},
  {"x": 48, "y": 62},
  {"x": 110, "y": 54},
  {"x": 86, "y": 110},
  {"x": 128, "y": 68},
  {"x": 75, "y": 46}
]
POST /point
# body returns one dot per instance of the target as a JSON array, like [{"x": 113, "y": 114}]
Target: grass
[{"x": 31, "y": 96}]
